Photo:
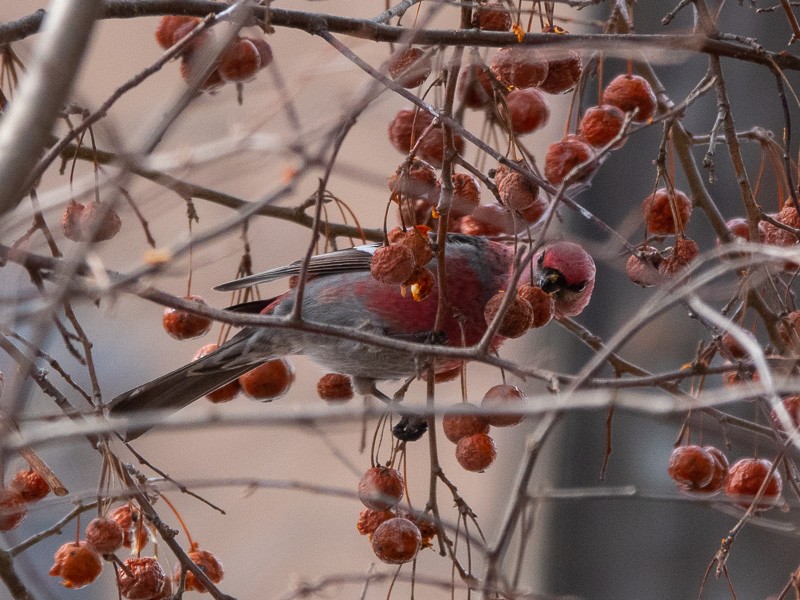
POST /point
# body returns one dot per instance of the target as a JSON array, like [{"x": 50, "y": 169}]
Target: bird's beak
[{"x": 551, "y": 282}]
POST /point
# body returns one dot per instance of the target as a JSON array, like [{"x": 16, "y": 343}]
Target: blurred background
[{"x": 654, "y": 545}]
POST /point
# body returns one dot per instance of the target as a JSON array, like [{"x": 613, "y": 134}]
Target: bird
[{"x": 340, "y": 291}]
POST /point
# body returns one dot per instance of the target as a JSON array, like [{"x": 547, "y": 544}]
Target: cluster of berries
[
  {"x": 26, "y": 488},
  {"x": 402, "y": 261},
  {"x": 239, "y": 62},
  {"x": 266, "y": 382},
  {"x": 530, "y": 308},
  {"x": 79, "y": 563},
  {"x": 705, "y": 470},
  {"x": 396, "y": 535},
  {"x": 469, "y": 431}
]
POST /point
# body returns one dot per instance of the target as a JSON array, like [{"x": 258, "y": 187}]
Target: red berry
[
  {"x": 516, "y": 191},
  {"x": 658, "y": 212},
  {"x": 381, "y": 488},
  {"x": 335, "y": 387},
  {"x": 264, "y": 50},
  {"x": 228, "y": 391},
  {"x": 562, "y": 73},
  {"x": 427, "y": 528},
  {"x": 209, "y": 565},
  {"x": 792, "y": 406},
  {"x": 491, "y": 219},
  {"x": 12, "y": 509},
  {"x": 494, "y": 16},
  {"x": 629, "y": 93},
  {"x": 527, "y": 109},
  {"x": 457, "y": 426},
  {"x": 720, "y": 471},
  {"x": 739, "y": 228},
  {"x": 77, "y": 565},
  {"x": 474, "y": 87},
  {"x": 416, "y": 240},
  {"x": 601, "y": 124},
  {"x": 475, "y": 452},
  {"x": 517, "y": 318},
  {"x": 104, "y": 535},
  {"x": 409, "y": 67},
  {"x": 466, "y": 194},
  {"x": 392, "y": 264},
  {"x": 184, "y": 325},
  {"x": 396, "y": 541},
  {"x": 564, "y": 156},
  {"x": 684, "y": 251},
  {"x": 504, "y": 397},
  {"x": 519, "y": 66},
  {"x": 691, "y": 467},
  {"x": 732, "y": 349},
  {"x": 268, "y": 381},
  {"x": 416, "y": 181},
  {"x": 168, "y": 25},
  {"x": 240, "y": 62},
  {"x": 643, "y": 270},
  {"x": 71, "y": 221},
  {"x": 99, "y": 222},
  {"x": 542, "y": 303},
  {"x": 129, "y": 521},
  {"x": 407, "y": 127},
  {"x": 31, "y": 486},
  {"x": 189, "y": 66},
  {"x": 421, "y": 284},
  {"x": 790, "y": 329},
  {"x": 146, "y": 580},
  {"x": 745, "y": 478},
  {"x": 369, "y": 520}
]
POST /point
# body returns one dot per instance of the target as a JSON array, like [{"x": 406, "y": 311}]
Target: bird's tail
[{"x": 184, "y": 385}]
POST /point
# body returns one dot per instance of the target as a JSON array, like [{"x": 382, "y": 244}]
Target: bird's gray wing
[{"x": 332, "y": 263}]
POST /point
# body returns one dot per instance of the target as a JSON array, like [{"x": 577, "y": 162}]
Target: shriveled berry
[
  {"x": 71, "y": 221},
  {"x": 129, "y": 521},
  {"x": 629, "y": 93},
  {"x": 408, "y": 126},
  {"x": 745, "y": 478},
  {"x": 77, "y": 565},
  {"x": 731, "y": 348},
  {"x": 99, "y": 222},
  {"x": 684, "y": 251},
  {"x": 519, "y": 66},
  {"x": 145, "y": 581},
  {"x": 269, "y": 381},
  {"x": 12, "y": 509},
  {"x": 409, "y": 67},
  {"x": 517, "y": 318},
  {"x": 392, "y": 264},
  {"x": 335, "y": 387},
  {"x": 527, "y": 110},
  {"x": 459, "y": 425},
  {"x": 643, "y": 270},
  {"x": 104, "y": 535},
  {"x": 717, "y": 480},
  {"x": 427, "y": 528},
  {"x": 506, "y": 398},
  {"x": 466, "y": 194},
  {"x": 184, "y": 29},
  {"x": 381, "y": 488},
  {"x": 792, "y": 406},
  {"x": 416, "y": 180},
  {"x": 416, "y": 240},
  {"x": 564, "y": 156},
  {"x": 474, "y": 87},
  {"x": 542, "y": 304},
  {"x": 562, "y": 73},
  {"x": 168, "y": 25},
  {"x": 396, "y": 541},
  {"x": 516, "y": 191},
  {"x": 183, "y": 325},
  {"x": 601, "y": 124},
  {"x": 475, "y": 452},
  {"x": 369, "y": 520},
  {"x": 739, "y": 228},
  {"x": 658, "y": 211},
  {"x": 448, "y": 374},
  {"x": 790, "y": 329},
  {"x": 227, "y": 392},
  {"x": 691, "y": 467},
  {"x": 30, "y": 485},
  {"x": 240, "y": 62},
  {"x": 493, "y": 16},
  {"x": 209, "y": 565}
]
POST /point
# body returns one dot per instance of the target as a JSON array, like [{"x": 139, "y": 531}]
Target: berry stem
[{"x": 192, "y": 544}]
